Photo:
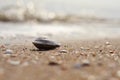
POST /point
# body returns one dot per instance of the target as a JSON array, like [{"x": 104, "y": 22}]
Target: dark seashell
[{"x": 45, "y": 44}]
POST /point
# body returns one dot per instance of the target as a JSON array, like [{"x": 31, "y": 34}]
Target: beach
[
  {"x": 74, "y": 60},
  {"x": 87, "y": 31}
]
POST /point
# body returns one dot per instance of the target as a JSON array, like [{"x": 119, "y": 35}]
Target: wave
[{"x": 22, "y": 14}]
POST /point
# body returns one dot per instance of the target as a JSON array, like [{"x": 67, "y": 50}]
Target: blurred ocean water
[
  {"x": 102, "y": 8},
  {"x": 55, "y": 18}
]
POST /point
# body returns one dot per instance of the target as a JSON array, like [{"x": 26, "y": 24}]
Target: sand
[{"x": 101, "y": 60}]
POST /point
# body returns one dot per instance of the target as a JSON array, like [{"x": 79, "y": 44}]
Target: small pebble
[
  {"x": 93, "y": 54},
  {"x": 85, "y": 63},
  {"x": 82, "y": 48},
  {"x": 78, "y": 65},
  {"x": 8, "y": 51},
  {"x": 100, "y": 50},
  {"x": 53, "y": 63},
  {"x": 14, "y": 62},
  {"x": 111, "y": 52},
  {"x": 63, "y": 51},
  {"x": 107, "y": 43},
  {"x": 52, "y": 58}
]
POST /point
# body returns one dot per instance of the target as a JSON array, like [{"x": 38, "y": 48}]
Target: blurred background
[{"x": 80, "y": 19}]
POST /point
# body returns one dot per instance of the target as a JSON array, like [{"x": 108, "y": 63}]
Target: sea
[{"x": 60, "y": 19}]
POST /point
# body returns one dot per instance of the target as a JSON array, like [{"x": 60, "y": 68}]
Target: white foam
[{"x": 84, "y": 31}]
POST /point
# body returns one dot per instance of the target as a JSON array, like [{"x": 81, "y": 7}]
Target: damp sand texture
[{"x": 74, "y": 60}]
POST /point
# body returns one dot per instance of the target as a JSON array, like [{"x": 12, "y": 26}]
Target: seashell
[
  {"x": 45, "y": 44},
  {"x": 63, "y": 51},
  {"x": 8, "y": 51}
]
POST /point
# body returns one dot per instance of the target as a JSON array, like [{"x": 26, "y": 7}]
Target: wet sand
[{"x": 74, "y": 60}]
